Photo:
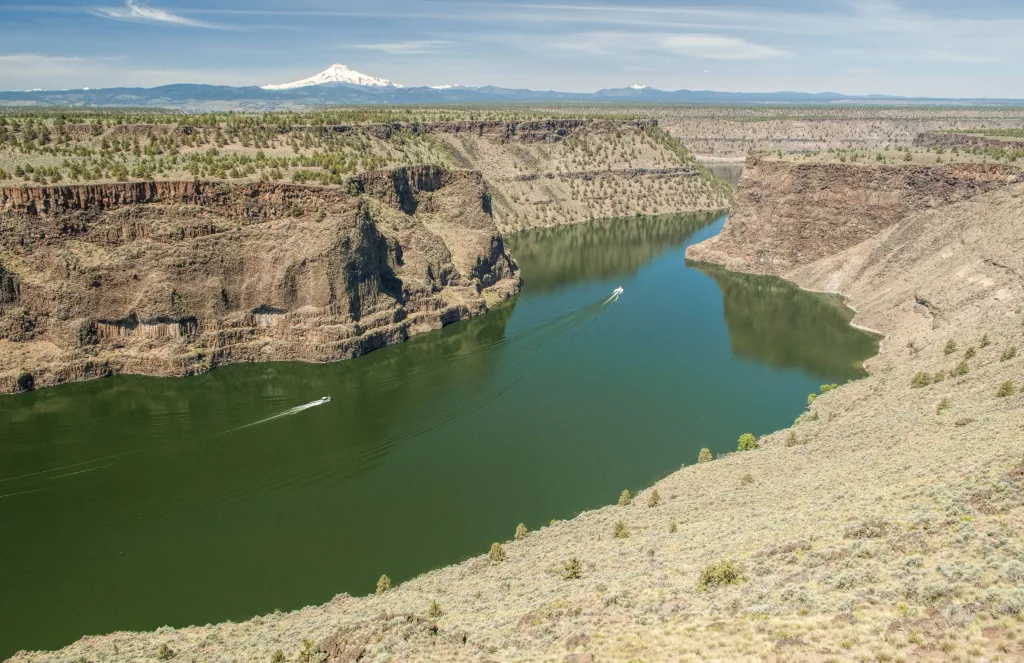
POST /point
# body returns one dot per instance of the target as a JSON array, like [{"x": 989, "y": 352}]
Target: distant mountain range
[{"x": 340, "y": 85}]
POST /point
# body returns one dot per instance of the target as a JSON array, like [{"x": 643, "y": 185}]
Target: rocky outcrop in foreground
[
  {"x": 176, "y": 277},
  {"x": 886, "y": 525}
]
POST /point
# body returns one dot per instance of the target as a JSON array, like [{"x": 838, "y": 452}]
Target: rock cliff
[
  {"x": 176, "y": 277},
  {"x": 785, "y": 215}
]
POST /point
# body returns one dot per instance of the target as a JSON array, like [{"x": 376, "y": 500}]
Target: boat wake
[
  {"x": 614, "y": 296},
  {"x": 286, "y": 413}
]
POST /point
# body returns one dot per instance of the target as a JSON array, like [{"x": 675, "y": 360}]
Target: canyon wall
[
  {"x": 176, "y": 277},
  {"x": 786, "y": 215},
  {"x": 965, "y": 141}
]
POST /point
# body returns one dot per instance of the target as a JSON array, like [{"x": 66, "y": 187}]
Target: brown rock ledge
[{"x": 176, "y": 277}]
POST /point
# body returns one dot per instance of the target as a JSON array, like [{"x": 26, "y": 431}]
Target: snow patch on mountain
[
  {"x": 638, "y": 86},
  {"x": 336, "y": 73}
]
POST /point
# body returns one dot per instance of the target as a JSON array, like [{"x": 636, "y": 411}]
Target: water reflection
[
  {"x": 730, "y": 172},
  {"x": 601, "y": 250},
  {"x": 773, "y": 321}
]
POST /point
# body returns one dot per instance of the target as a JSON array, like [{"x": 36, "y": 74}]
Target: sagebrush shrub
[
  {"x": 950, "y": 347},
  {"x": 435, "y": 610},
  {"x": 625, "y": 498},
  {"x": 572, "y": 569},
  {"x": 1005, "y": 389},
  {"x": 920, "y": 379},
  {"x": 984, "y": 341},
  {"x": 961, "y": 369},
  {"x": 970, "y": 353},
  {"x": 704, "y": 456},
  {"x": 654, "y": 499},
  {"x": 673, "y": 527},
  {"x": 619, "y": 530},
  {"x": 1009, "y": 353},
  {"x": 718, "y": 574},
  {"x": 496, "y": 553},
  {"x": 791, "y": 439}
]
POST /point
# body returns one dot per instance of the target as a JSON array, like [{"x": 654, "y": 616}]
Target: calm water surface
[{"x": 133, "y": 502}]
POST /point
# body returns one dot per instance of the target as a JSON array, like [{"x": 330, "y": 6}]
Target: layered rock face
[
  {"x": 964, "y": 141},
  {"x": 786, "y": 215},
  {"x": 176, "y": 277}
]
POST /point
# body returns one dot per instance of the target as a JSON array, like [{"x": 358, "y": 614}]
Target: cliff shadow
[{"x": 773, "y": 321}]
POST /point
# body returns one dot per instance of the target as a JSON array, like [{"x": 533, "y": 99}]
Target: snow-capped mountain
[
  {"x": 638, "y": 86},
  {"x": 336, "y": 73}
]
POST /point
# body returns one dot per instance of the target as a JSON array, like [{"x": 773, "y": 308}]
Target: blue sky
[{"x": 909, "y": 47}]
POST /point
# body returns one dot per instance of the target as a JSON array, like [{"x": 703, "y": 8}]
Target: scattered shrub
[
  {"x": 939, "y": 377},
  {"x": 921, "y": 379},
  {"x": 496, "y": 553},
  {"x": 625, "y": 498},
  {"x": 654, "y": 499},
  {"x": 309, "y": 653},
  {"x": 672, "y": 527},
  {"x": 747, "y": 442},
  {"x": 950, "y": 347},
  {"x": 985, "y": 342},
  {"x": 791, "y": 439},
  {"x": 970, "y": 352},
  {"x": 961, "y": 369},
  {"x": 521, "y": 532},
  {"x": 434, "y": 611},
  {"x": 825, "y": 388},
  {"x": 165, "y": 653},
  {"x": 619, "y": 530},
  {"x": 1004, "y": 601},
  {"x": 811, "y": 398},
  {"x": 943, "y": 405},
  {"x": 383, "y": 584},
  {"x": 873, "y": 528},
  {"x": 747, "y": 479},
  {"x": 572, "y": 570},
  {"x": 278, "y": 657},
  {"x": 1005, "y": 389},
  {"x": 1009, "y": 353},
  {"x": 704, "y": 456},
  {"x": 718, "y": 574}
]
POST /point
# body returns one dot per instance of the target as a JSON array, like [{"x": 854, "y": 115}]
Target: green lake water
[{"x": 133, "y": 502}]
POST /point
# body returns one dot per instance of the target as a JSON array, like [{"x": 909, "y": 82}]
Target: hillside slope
[{"x": 885, "y": 525}]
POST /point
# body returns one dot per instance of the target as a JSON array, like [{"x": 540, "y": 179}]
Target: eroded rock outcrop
[
  {"x": 785, "y": 214},
  {"x": 175, "y": 277}
]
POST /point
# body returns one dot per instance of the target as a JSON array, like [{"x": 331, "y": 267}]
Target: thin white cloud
[
  {"x": 624, "y": 45},
  {"x": 413, "y": 47},
  {"x": 719, "y": 47},
  {"x": 34, "y": 69},
  {"x": 949, "y": 56},
  {"x": 132, "y": 11}
]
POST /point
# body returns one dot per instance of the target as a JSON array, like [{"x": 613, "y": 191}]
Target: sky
[{"x": 940, "y": 48}]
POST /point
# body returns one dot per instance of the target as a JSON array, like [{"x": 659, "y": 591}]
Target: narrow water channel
[{"x": 134, "y": 502}]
